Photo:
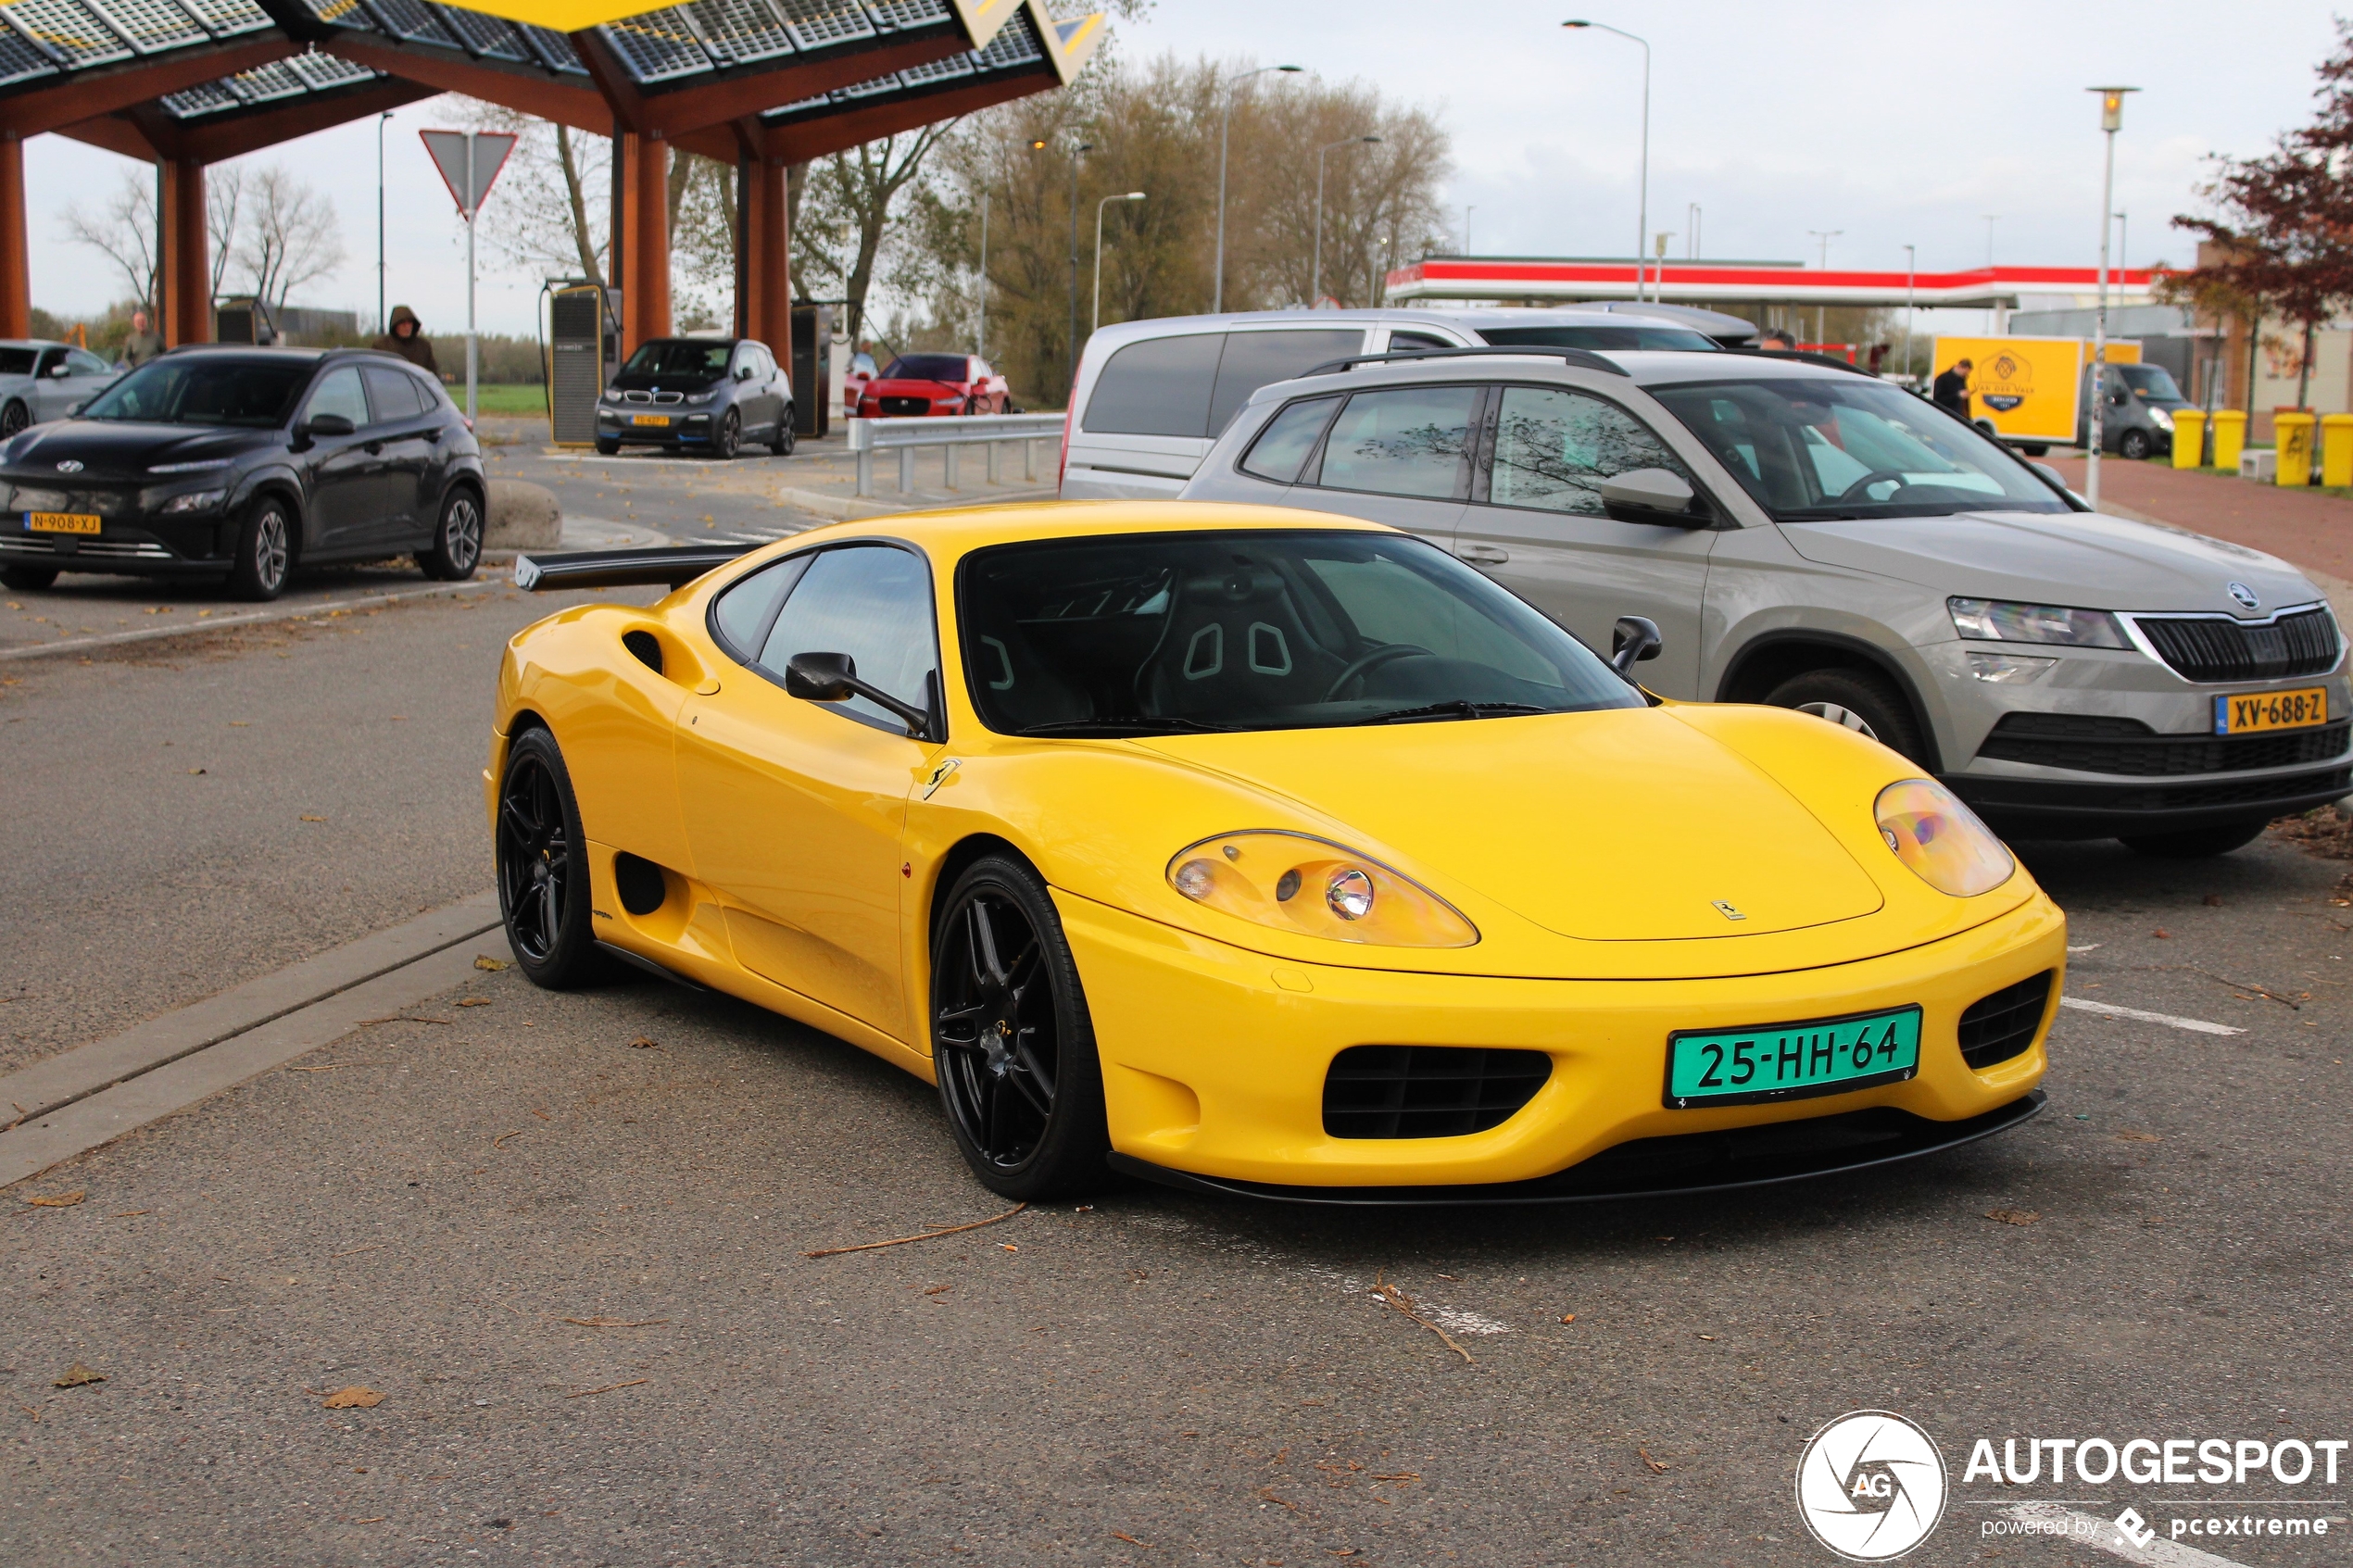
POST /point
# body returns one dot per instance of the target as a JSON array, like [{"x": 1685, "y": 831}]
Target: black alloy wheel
[
  {"x": 1011, "y": 1042},
  {"x": 729, "y": 438},
  {"x": 265, "y": 551},
  {"x": 2134, "y": 445},
  {"x": 543, "y": 866},
  {"x": 781, "y": 443},
  {"x": 457, "y": 540},
  {"x": 13, "y": 418},
  {"x": 28, "y": 579}
]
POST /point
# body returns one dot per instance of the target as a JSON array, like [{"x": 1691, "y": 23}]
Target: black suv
[{"x": 242, "y": 463}]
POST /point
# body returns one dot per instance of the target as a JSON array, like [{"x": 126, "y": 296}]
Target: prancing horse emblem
[{"x": 1726, "y": 911}]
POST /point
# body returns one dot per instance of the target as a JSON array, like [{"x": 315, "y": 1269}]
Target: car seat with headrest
[{"x": 1235, "y": 643}]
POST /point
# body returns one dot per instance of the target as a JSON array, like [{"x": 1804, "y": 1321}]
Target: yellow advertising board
[{"x": 2027, "y": 388}]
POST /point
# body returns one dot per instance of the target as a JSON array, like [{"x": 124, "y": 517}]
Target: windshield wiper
[
  {"x": 1135, "y": 722},
  {"x": 1458, "y": 708}
]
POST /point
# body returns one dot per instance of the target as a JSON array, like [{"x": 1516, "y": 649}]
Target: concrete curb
[
  {"x": 69, "y": 1103},
  {"x": 251, "y": 617}
]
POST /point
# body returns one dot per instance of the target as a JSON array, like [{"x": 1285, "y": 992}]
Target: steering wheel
[
  {"x": 1388, "y": 653},
  {"x": 1874, "y": 477}
]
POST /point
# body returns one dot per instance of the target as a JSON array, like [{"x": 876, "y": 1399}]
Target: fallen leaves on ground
[
  {"x": 355, "y": 1397},
  {"x": 308, "y": 819},
  {"x": 504, "y": 1136},
  {"x": 1568, "y": 1317},
  {"x": 1124, "y": 1535},
  {"x": 1268, "y": 1493},
  {"x": 1656, "y": 1467},
  {"x": 61, "y": 1200},
  {"x": 643, "y": 1044},
  {"x": 2324, "y": 830},
  {"x": 609, "y": 1387},
  {"x": 2013, "y": 1216},
  {"x": 1397, "y": 1300},
  {"x": 2130, "y": 1136},
  {"x": 484, "y": 961},
  {"x": 77, "y": 1375},
  {"x": 474, "y": 1001},
  {"x": 925, "y": 1236}
]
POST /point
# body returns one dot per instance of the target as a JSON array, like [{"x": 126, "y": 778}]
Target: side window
[
  {"x": 338, "y": 393},
  {"x": 394, "y": 393},
  {"x": 1256, "y": 359},
  {"x": 743, "y": 613},
  {"x": 50, "y": 360},
  {"x": 1160, "y": 386},
  {"x": 1283, "y": 446},
  {"x": 872, "y": 602},
  {"x": 1554, "y": 449},
  {"x": 1406, "y": 441},
  {"x": 87, "y": 364}
]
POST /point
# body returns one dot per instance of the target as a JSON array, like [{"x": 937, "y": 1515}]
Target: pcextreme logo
[{"x": 1871, "y": 1485}]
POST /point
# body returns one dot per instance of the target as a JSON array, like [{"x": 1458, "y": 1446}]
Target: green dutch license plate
[{"x": 1822, "y": 1056}]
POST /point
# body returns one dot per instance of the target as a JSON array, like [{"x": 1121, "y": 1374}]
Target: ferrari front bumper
[{"x": 1214, "y": 1061}]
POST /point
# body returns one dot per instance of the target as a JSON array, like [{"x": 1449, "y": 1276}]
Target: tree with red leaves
[{"x": 2283, "y": 231}]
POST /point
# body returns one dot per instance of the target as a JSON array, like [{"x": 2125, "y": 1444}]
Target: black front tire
[
  {"x": 1011, "y": 1040},
  {"x": 2134, "y": 445},
  {"x": 265, "y": 551},
  {"x": 456, "y": 550},
  {"x": 608, "y": 448},
  {"x": 1858, "y": 700},
  {"x": 542, "y": 859},
  {"x": 728, "y": 438},
  {"x": 28, "y": 579},
  {"x": 2197, "y": 844},
  {"x": 782, "y": 442},
  {"x": 13, "y": 418}
]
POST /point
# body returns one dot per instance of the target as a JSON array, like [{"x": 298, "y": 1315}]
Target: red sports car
[{"x": 916, "y": 384}]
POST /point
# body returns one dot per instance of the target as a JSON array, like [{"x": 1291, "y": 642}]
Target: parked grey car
[
  {"x": 43, "y": 380},
  {"x": 1818, "y": 539},
  {"x": 1152, "y": 394},
  {"x": 698, "y": 395},
  {"x": 2138, "y": 421}
]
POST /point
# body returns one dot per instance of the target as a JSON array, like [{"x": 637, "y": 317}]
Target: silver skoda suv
[{"x": 1810, "y": 536}]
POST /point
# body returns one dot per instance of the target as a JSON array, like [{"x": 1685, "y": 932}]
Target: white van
[{"x": 1152, "y": 396}]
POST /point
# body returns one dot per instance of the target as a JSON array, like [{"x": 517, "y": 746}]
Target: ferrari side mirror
[
  {"x": 821, "y": 677},
  {"x": 1632, "y": 640}
]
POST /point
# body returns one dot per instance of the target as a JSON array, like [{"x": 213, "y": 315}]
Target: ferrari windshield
[
  {"x": 1175, "y": 633},
  {"x": 205, "y": 390},
  {"x": 1810, "y": 448}
]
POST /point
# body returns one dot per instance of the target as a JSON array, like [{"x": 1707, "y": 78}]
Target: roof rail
[
  {"x": 1584, "y": 359},
  {"x": 1830, "y": 361}
]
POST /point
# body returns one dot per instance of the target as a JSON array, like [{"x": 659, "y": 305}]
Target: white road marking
[
  {"x": 2087, "y": 947},
  {"x": 2108, "y": 1010},
  {"x": 2067, "y": 1524}
]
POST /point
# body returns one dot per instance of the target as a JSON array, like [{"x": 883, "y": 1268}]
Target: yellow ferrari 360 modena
[{"x": 1261, "y": 852}]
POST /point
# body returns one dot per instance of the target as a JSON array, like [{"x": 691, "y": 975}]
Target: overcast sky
[{"x": 1895, "y": 123}]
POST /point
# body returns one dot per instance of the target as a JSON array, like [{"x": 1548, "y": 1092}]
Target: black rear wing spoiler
[{"x": 672, "y": 566}]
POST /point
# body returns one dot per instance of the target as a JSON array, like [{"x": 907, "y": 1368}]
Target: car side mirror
[
  {"x": 61, "y": 371},
  {"x": 833, "y": 677},
  {"x": 1652, "y": 495},
  {"x": 743, "y": 373},
  {"x": 328, "y": 424},
  {"x": 1632, "y": 640}
]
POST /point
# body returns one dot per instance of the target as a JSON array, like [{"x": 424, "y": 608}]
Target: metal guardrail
[{"x": 953, "y": 431}]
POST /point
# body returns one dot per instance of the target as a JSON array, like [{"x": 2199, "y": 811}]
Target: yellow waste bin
[
  {"x": 2189, "y": 437},
  {"x": 2337, "y": 450},
  {"x": 2229, "y": 438},
  {"x": 2295, "y": 448}
]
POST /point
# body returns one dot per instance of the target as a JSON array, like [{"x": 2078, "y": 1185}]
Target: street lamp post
[
  {"x": 1466, "y": 212},
  {"x": 1077, "y": 153},
  {"x": 2111, "y": 122},
  {"x": 381, "y": 121},
  {"x": 1691, "y": 236},
  {"x": 1131, "y": 197},
  {"x": 1642, "y": 219},
  {"x": 1911, "y": 267},
  {"x": 1991, "y": 218},
  {"x": 980, "y": 335},
  {"x": 1316, "y": 272},
  {"x": 1225, "y": 127},
  {"x": 1821, "y": 313}
]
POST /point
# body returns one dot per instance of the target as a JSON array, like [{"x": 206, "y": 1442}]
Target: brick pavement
[{"x": 2313, "y": 531}]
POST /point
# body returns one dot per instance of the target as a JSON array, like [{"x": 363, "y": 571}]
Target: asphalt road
[{"x": 576, "y": 1273}]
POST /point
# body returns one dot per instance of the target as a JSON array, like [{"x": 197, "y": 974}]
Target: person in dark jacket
[
  {"x": 1951, "y": 390},
  {"x": 145, "y": 343},
  {"x": 408, "y": 340}
]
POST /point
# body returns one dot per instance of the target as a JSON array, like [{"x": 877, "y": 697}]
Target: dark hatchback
[
  {"x": 698, "y": 395},
  {"x": 243, "y": 463}
]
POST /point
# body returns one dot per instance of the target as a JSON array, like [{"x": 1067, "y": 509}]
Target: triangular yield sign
[{"x": 448, "y": 150}]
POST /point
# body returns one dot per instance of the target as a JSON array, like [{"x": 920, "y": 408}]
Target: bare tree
[
  {"x": 124, "y": 231},
  {"x": 224, "y": 191},
  {"x": 550, "y": 211},
  {"x": 848, "y": 212},
  {"x": 291, "y": 236}
]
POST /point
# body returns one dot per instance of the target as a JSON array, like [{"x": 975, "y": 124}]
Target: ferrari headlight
[
  {"x": 1996, "y": 621},
  {"x": 1932, "y": 833},
  {"x": 1296, "y": 882}
]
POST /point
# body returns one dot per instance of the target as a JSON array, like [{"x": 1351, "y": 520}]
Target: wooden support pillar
[
  {"x": 15, "y": 260},
  {"x": 767, "y": 283},
  {"x": 644, "y": 242},
  {"x": 186, "y": 281}
]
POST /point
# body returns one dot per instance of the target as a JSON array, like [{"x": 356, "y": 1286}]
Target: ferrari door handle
[{"x": 1484, "y": 555}]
